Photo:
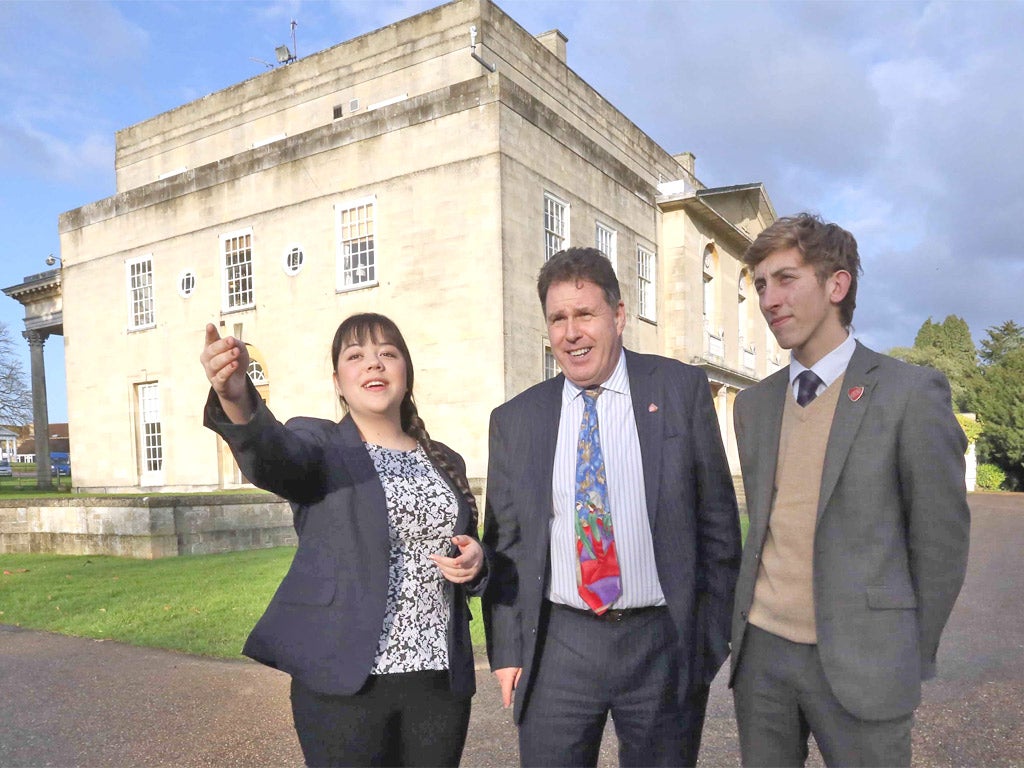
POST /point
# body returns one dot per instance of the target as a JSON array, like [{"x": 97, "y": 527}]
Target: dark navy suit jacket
[
  {"x": 691, "y": 505},
  {"x": 324, "y": 623}
]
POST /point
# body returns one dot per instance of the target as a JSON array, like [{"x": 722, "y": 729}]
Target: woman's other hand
[{"x": 467, "y": 565}]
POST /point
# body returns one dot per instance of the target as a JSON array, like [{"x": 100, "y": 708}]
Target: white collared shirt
[
  {"x": 620, "y": 446},
  {"x": 830, "y": 368}
]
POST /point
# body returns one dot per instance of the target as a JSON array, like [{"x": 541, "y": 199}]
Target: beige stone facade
[{"x": 412, "y": 180}]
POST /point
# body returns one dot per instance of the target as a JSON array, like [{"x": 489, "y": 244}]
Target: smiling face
[
  {"x": 802, "y": 311},
  {"x": 371, "y": 377},
  {"x": 585, "y": 331}
]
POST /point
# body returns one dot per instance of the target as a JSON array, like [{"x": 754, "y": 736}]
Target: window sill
[
  {"x": 356, "y": 286},
  {"x": 236, "y": 310}
]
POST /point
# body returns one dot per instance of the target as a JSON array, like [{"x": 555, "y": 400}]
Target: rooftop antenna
[{"x": 285, "y": 56}]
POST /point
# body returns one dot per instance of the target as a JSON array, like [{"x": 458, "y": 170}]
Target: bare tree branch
[{"x": 15, "y": 395}]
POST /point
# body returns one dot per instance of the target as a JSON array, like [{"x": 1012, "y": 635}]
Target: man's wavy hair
[
  {"x": 575, "y": 264},
  {"x": 826, "y": 247}
]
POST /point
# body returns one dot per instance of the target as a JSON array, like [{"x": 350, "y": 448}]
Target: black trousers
[
  {"x": 409, "y": 718},
  {"x": 589, "y": 668}
]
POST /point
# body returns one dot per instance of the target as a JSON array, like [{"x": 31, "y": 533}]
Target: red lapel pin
[
  {"x": 652, "y": 408},
  {"x": 855, "y": 393}
]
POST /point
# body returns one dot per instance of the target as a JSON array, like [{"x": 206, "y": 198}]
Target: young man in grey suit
[
  {"x": 584, "y": 617},
  {"x": 853, "y": 465}
]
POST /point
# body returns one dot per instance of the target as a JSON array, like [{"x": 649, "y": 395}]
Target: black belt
[{"x": 614, "y": 615}]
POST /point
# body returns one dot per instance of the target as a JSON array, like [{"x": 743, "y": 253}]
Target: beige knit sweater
[{"x": 784, "y": 594}]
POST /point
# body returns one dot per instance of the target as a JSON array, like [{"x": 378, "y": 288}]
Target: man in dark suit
[
  {"x": 853, "y": 464},
  {"x": 584, "y": 617}
]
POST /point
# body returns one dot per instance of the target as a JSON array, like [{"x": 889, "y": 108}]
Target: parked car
[
  {"x": 61, "y": 468},
  {"x": 5, "y": 468}
]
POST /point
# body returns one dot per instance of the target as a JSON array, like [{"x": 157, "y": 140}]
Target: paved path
[{"x": 74, "y": 702}]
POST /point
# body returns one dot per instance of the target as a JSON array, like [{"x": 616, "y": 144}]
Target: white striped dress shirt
[{"x": 620, "y": 447}]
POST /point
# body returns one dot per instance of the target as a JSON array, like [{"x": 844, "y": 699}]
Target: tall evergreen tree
[
  {"x": 1002, "y": 339},
  {"x": 948, "y": 347},
  {"x": 999, "y": 403}
]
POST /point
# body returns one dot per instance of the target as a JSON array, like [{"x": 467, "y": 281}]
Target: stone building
[{"x": 424, "y": 170}]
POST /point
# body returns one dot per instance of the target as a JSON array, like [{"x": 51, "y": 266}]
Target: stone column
[{"x": 40, "y": 414}]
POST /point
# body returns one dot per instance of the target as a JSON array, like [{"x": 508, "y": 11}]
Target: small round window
[
  {"x": 293, "y": 260},
  {"x": 186, "y": 284}
]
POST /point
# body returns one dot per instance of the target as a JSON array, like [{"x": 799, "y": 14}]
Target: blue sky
[{"x": 900, "y": 121}]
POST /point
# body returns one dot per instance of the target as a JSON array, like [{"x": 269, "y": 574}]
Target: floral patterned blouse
[{"x": 422, "y": 510}]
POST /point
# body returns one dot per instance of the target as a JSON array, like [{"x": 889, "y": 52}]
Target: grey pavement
[{"x": 76, "y": 702}]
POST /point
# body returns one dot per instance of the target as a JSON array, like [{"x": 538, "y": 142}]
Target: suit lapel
[
  {"x": 649, "y": 426},
  {"x": 540, "y": 464},
  {"x": 370, "y": 503},
  {"x": 849, "y": 413},
  {"x": 766, "y": 438}
]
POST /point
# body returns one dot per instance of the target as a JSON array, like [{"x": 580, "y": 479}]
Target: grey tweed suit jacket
[
  {"x": 691, "y": 505},
  {"x": 890, "y": 546}
]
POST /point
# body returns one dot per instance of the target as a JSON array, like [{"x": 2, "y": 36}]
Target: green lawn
[{"x": 200, "y": 604}]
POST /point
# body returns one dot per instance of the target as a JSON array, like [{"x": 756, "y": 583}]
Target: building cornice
[
  {"x": 718, "y": 373},
  {"x": 39, "y": 286}
]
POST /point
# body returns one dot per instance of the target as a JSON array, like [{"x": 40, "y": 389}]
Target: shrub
[{"x": 990, "y": 477}]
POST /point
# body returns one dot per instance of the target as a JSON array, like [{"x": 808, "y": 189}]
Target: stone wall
[{"x": 145, "y": 527}]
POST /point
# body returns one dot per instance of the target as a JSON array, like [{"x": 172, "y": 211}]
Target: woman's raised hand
[{"x": 225, "y": 362}]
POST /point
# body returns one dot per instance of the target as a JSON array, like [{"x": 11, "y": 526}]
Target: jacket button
[{"x": 743, "y": 615}]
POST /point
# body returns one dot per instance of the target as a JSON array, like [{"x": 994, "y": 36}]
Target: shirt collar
[
  {"x": 617, "y": 382},
  {"x": 830, "y": 367}
]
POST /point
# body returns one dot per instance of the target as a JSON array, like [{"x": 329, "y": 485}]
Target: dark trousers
[
  {"x": 588, "y": 667},
  {"x": 782, "y": 696},
  {"x": 411, "y": 718}
]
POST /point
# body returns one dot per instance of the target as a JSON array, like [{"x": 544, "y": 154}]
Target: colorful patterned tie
[{"x": 597, "y": 576}]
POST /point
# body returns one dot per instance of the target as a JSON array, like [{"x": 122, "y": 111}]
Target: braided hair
[{"x": 374, "y": 327}]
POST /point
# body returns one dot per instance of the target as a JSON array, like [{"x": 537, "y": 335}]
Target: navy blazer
[
  {"x": 691, "y": 505},
  {"x": 323, "y": 625}
]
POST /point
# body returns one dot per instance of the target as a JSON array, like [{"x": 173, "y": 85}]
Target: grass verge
[{"x": 199, "y": 604}]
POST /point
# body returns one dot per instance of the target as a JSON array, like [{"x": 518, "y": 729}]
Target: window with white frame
[
  {"x": 710, "y": 310},
  {"x": 747, "y": 299},
  {"x": 550, "y": 363},
  {"x": 236, "y": 250},
  {"x": 556, "y": 225},
  {"x": 140, "y": 293},
  {"x": 741, "y": 308},
  {"x": 357, "y": 255},
  {"x": 646, "y": 283},
  {"x": 151, "y": 447},
  {"x": 256, "y": 373},
  {"x": 605, "y": 241}
]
